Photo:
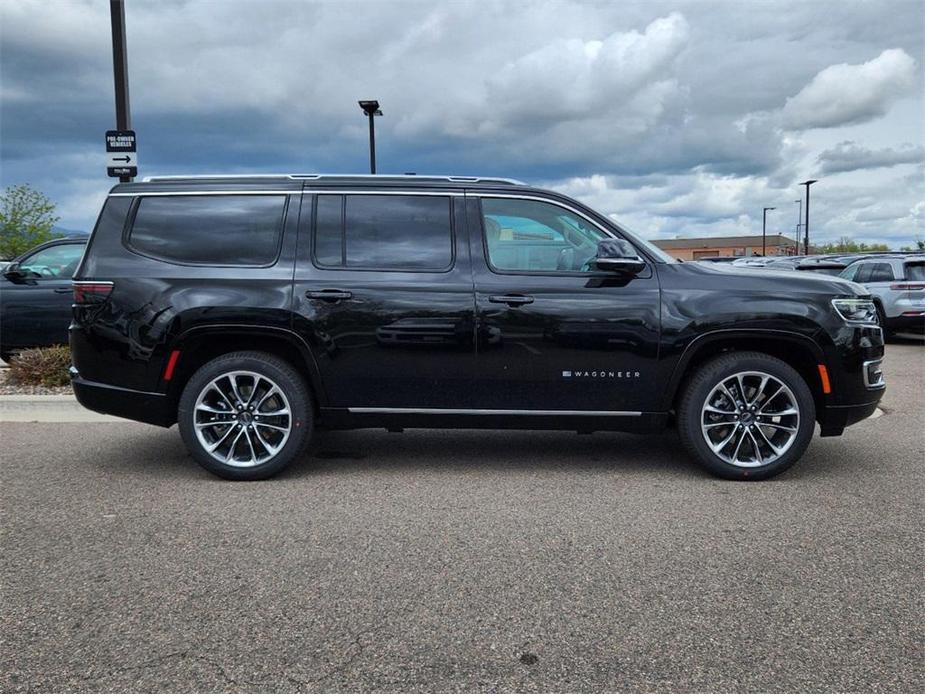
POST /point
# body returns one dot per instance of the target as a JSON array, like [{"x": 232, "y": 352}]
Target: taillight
[
  {"x": 91, "y": 292},
  {"x": 907, "y": 285}
]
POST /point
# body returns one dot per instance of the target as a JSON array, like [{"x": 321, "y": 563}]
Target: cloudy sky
[{"x": 678, "y": 118}]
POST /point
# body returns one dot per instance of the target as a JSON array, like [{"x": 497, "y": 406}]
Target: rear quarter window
[
  {"x": 237, "y": 230},
  {"x": 915, "y": 271}
]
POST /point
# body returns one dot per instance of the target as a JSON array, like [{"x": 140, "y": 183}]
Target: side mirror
[
  {"x": 619, "y": 257},
  {"x": 13, "y": 273}
]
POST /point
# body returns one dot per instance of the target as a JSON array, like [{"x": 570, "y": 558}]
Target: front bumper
[
  {"x": 834, "y": 418},
  {"x": 141, "y": 406}
]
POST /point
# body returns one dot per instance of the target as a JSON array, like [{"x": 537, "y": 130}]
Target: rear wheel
[
  {"x": 746, "y": 416},
  {"x": 245, "y": 415}
]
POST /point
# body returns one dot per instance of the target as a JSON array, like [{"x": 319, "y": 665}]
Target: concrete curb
[{"x": 48, "y": 408}]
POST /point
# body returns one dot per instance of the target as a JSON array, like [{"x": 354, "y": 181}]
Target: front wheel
[
  {"x": 245, "y": 415},
  {"x": 746, "y": 416}
]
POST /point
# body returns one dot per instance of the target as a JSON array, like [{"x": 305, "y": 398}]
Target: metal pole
[
  {"x": 806, "y": 223},
  {"x": 799, "y": 222},
  {"x": 120, "y": 69},
  {"x": 764, "y": 232},
  {"x": 372, "y": 142}
]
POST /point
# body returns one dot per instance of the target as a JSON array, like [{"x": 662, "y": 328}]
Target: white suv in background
[{"x": 897, "y": 284}]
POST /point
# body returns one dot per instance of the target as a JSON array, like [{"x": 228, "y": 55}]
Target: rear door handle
[
  {"x": 63, "y": 290},
  {"x": 511, "y": 299},
  {"x": 329, "y": 294}
]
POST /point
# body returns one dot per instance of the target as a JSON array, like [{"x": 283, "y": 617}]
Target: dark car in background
[
  {"x": 253, "y": 310},
  {"x": 36, "y": 296}
]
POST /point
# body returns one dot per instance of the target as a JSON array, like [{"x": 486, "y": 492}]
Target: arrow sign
[{"x": 121, "y": 159}]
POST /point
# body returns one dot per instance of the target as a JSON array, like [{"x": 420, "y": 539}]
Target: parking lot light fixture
[
  {"x": 371, "y": 109},
  {"x": 806, "y": 218},
  {"x": 764, "y": 230}
]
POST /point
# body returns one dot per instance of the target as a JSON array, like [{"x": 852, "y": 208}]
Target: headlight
[{"x": 856, "y": 310}]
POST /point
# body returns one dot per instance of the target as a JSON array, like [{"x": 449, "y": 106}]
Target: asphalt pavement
[{"x": 464, "y": 561}]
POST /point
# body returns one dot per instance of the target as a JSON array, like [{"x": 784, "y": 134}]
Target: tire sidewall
[
  {"x": 704, "y": 382},
  {"x": 288, "y": 381}
]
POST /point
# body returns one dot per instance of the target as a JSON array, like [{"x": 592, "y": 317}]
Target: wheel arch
[
  {"x": 797, "y": 350},
  {"x": 200, "y": 345}
]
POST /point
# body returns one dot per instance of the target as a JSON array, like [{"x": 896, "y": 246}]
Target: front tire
[
  {"x": 746, "y": 416},
  {"x": 245, "y": 415}
]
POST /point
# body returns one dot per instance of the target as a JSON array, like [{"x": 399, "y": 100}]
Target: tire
[
  {"x": 881, "y": 316},
  {"x": 265, "y": 441},
  {"x": 782, "y": 437}
]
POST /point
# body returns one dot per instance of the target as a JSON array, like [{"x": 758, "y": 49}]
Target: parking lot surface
[{"x": 465, "y": 561}]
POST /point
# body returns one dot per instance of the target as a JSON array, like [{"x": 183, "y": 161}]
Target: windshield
[{"x": 650, "y": 247}]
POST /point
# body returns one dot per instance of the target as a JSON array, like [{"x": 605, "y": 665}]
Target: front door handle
[
  {"x": 63, "y": 290},
  {"x": 511, "y": 299},
  {"x": 329, "y": 294}
]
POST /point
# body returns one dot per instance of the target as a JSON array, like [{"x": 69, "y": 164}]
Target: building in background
[{"x": 713, "y": 247}]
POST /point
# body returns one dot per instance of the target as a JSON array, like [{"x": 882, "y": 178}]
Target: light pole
[
  {"x": 764, "y": 230},
  {"x": 806, "y": 218},
  {"x": 371, "y": 109},
  {"x": 120, "y": 69},
  {"x": 799, "y": 222}
]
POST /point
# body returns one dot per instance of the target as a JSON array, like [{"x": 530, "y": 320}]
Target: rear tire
[
  {"x": 746, "y": 416},
  {"x": 245, "y": 415}
]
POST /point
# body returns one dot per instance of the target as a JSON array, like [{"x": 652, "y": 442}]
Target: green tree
[
  {"x": 848, "y": 245},
  {"x": 26, "y": 220}
]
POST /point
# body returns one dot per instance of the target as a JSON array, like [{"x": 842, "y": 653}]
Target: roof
[{"x": 723, "y": 242}]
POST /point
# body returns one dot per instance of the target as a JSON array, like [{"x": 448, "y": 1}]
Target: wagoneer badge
[{"x": 600, "y": 374}]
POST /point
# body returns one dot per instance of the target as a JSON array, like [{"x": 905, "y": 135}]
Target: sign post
[
  {"x": 121, "y": 156},
  {"x": 123, "y": 111}
]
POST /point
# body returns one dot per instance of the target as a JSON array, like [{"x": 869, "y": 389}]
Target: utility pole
[
  {"x": 806, "y": 219},
  {"x": 120, "y": 69},
  {"x": 764, "y": 231},
  {"x": 799, "y": 222},
  {"x": 371, "y": 109}
]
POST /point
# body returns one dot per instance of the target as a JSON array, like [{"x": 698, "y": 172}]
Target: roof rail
[{"x": 321, "y": 177}]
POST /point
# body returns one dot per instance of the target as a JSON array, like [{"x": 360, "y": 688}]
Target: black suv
[{"x": 251, "y": 310}]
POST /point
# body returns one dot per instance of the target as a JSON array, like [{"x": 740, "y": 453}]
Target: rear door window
[
  {"x": 864, "y": 271},
  {"x": 383, "y": 232},
  {"x": 223, "y": 230}
]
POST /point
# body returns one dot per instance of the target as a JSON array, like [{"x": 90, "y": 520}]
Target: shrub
[{"x": 42, "y": 366}]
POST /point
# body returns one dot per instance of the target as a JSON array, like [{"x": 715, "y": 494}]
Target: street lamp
[
  {"x": 806, "y": 219},
  {"x": 799, "y": 222},
  {"x": 764, "y": 230},
  {"x": 371, "y": 109}
]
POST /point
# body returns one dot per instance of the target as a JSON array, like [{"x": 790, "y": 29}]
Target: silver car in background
[{"x": 897, "y": 284}]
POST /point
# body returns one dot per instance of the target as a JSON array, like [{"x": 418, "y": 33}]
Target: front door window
[{"x": 534, "y": 236}]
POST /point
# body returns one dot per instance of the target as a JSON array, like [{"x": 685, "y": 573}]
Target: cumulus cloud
[
  {"x": 845, "y": 94},
  {"x": 669, "y": 116},
  {"x": 850, "y": 156}
]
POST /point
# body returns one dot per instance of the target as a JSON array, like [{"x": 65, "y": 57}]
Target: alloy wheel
[
  {"x": 242, "y": 419},
  {"x": 750, "y": 419}
]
